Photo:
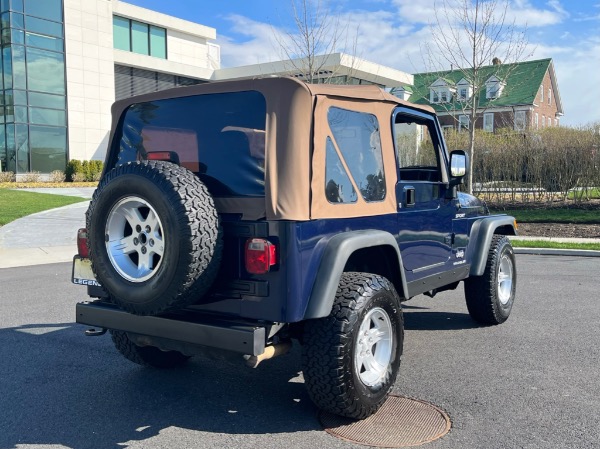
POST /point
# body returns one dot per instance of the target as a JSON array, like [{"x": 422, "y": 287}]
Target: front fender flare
[
  {"x": 481, "y": 238},
  {"x": 336, "y": 254}
]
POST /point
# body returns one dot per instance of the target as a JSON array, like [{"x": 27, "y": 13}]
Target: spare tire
[{"x": 154, "y": 237}]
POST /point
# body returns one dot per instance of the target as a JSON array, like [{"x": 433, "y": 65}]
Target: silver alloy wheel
[
  {"x": 373, "y": 351},
  {"x": 134, "y": 239},
  {"x": 505, "y": 279}
]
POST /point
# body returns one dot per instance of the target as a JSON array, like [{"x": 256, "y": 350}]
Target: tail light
[
  {"x": 82, "y": 243},
  {"x": 260, "y": 255}
]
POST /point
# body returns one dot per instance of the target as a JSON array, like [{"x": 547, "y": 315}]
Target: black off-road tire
[
  {"x": 180, "y": 216},
  {"x": 333, "y": 373},
  {"x": 490, "y": 297},
  {"x": 146, "y": 355}
]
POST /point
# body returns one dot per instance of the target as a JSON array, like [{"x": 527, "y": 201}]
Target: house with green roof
[{"x": 518, "y": 96}]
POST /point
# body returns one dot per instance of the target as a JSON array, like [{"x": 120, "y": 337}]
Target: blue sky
[{"x": 390, "y": 31}]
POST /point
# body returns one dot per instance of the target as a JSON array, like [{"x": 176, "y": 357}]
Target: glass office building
[{"x": 33, "y": 116}]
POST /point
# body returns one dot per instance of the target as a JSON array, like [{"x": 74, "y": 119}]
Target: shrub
[
  {"x": 78, "y": 177},
  {"x": 73, "y": 166},
  {"x": 80, "y": 171},
  {"x": 57, "y": 176},
  {"x": 31, "y": 176},
  {"x": 7, "y": 176}
]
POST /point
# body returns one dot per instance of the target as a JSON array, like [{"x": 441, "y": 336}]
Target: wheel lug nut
[
  {"x": 144, "y": 250},
  {"x": 138, "y": 228},
  {"x": 151, "y": 242},
  {"x": 136, "y": 241},
  {"x": 148, "y": 229}
]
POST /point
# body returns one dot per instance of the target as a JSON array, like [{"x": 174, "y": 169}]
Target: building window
[
  {"x": 541, "y": 94},
  {"x": 520, "y": 120},
  {"x": 130, "y": 81},
  {"x": 462, "y": 94},
  {"x": 435, "y": 97},
  {"x": 543, "y": 121},
  {"x": 463, "y": 122},
  {"x": 447, "y": 128},
  {"x": 138, "y": 37},
  {"x": 549, "y": 95},
  {"x": 535, "y": 122},
  {"x": 488, "y": 122}
]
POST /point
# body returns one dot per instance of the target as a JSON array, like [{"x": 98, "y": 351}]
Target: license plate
[{"x": 82, "y": 272}]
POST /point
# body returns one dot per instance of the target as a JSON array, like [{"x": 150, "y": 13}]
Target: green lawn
[
  {"x": 591, "y": 193},
  {"x": 16, "y": 203},
  {"x": 554, "y": 215}
]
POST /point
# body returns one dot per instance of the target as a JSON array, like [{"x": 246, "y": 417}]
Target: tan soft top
[{"x": 289, "y": 138}]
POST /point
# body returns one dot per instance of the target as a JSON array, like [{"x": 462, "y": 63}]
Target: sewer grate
[{"x": 400, "y": 422}]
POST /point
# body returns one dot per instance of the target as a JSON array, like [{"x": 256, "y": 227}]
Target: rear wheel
[
  {"x": 490, "y": 297},
  {"x": 146, "y": 355},
  {"x": 352, "y": 357}
]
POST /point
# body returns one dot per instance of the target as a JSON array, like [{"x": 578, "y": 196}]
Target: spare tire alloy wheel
[
  {"x": 134, "y": 239},
  {"x": 352, "y": 357},
  {"x": 154, "y": 236}
]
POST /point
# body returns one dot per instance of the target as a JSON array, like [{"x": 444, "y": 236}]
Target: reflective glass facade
[{"x": 33, "y": 117}]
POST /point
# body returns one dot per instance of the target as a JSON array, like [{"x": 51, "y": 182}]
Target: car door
[{"x": 424, "y": 213}]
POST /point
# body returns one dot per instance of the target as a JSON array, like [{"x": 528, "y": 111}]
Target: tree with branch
[
  {"x": 469, "y": 35},
  {"x": 317, "y": 35}
]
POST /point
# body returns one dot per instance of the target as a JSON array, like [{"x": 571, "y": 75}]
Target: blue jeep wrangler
[{"x": 240, "y": 215}]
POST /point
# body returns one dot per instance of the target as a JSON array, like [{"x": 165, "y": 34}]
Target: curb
[{"x": 557, "y": 252}]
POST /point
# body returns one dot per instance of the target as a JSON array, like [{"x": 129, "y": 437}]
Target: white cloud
[{"x": 394, "y": 36}]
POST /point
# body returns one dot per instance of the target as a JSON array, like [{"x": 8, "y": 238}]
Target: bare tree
[
  {"x": 469, "y": 35},
  {"x": 317, "y": 35}
]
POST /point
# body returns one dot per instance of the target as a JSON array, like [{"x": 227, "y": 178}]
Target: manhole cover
[{"x": 400, "y": 422}]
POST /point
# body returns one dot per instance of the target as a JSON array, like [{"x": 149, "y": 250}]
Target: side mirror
[{"x": 459, "y": 161}]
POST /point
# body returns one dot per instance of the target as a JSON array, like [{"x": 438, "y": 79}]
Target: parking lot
[{"x": 531, "y": 382}]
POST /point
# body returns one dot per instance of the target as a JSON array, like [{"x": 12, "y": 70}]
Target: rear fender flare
[{"x": 336, "y": 254}]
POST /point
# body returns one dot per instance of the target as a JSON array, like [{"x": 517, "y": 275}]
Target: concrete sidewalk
[
  {"x": 45, "y": 237},
  {"x": 50, "y": 236}
]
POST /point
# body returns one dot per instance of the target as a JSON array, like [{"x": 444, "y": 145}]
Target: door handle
[{"x": 409, "y": 196}]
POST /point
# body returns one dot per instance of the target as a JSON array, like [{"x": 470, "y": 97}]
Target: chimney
[{"x": 496, "y": 61}]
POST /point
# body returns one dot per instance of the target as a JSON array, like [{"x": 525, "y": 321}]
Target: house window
[
  {"x": 447, "y": 128},
  {"x": 435, "y": 98},
  {"x": 139, "y": 37},
  {"x": 549, "y": 95},
  {"x": 444, "y": 96},
  {"x": 463, "y": 122},
  {"x": 462, "y": 94},
  {"x": 520, "y": 120},
  {"x": 541, "y": 94},
  {"x": 555, "y": 122},
  {"x": 535, "y": 121},
  {"x": 543, "y": 121},
  {"x": 488, "y": 122}
]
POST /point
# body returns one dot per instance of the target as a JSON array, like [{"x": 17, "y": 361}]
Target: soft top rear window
[{"x": 220, "y": 137}]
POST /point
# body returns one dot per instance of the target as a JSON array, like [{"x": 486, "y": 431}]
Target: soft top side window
[{"x": 357, "y": 137}]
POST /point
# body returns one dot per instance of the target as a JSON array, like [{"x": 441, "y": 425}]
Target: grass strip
[
  {"x": 17, "y": 203},
  {"x": 546, "y": 244},
  {"x": 580, "y": 216}
]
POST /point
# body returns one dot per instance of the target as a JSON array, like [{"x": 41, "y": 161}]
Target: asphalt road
[{"x": 532, "y": 382}]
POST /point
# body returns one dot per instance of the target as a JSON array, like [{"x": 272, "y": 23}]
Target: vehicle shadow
[
  {"x": 59, "y": 387},
  {"x": 436, "y": 321}
]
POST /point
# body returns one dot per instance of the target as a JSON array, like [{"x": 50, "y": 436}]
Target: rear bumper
[{"x": 190, "y": 328}]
